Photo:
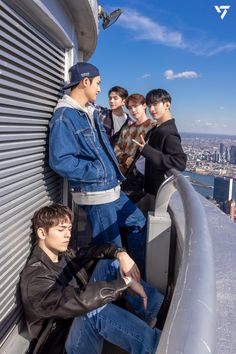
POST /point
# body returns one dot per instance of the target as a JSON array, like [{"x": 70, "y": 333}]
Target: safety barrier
[{"x": 190, "y": 324}]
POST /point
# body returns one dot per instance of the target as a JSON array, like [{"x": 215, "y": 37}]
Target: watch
[{"x": 119, "y": 249}]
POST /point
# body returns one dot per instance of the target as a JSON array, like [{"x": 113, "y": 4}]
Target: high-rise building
[
  {"x": 222, "y": 150},
  {"x": 217, "y": 156},
  {"x": 233, "y": 154},
  {"x": 223, "y": 189},
  {"x": 227, "y": 154}
]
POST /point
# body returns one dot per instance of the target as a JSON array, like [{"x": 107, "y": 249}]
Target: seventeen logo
[{"x": 222, "y": 10}]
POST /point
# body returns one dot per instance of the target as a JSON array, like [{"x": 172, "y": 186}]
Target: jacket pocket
[{"x": 85, "y": 135}]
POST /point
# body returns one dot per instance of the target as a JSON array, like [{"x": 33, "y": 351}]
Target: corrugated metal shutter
[{"x": 31, "y": 75}]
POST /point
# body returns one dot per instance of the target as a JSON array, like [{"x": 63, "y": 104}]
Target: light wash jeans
[
  {"x": 107, "y": 219},
  {"x": 115, "y": 324}
]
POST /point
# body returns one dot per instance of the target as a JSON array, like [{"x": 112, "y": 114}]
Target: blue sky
[{"x": 182, "y": 46}]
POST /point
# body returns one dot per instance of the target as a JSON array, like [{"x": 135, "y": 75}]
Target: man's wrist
[
  {"x": 118, "y": 250},
  {"x": 128, "y": 281}
]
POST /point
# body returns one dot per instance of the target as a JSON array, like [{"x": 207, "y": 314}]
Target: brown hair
[
  {"x": 137, "y": 98},
  {"x": 51, "y": 215}
]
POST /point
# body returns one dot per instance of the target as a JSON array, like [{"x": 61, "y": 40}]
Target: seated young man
[{"x": 67, "y": 294}]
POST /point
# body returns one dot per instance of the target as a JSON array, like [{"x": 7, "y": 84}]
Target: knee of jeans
[
  {"x": 152, "y": 292},
  {"x": 113, "y": 269},
  {"x": 156, "y": 299},
  {"x": 141, "y": 223},
  {"x": 92, "y": 315}
]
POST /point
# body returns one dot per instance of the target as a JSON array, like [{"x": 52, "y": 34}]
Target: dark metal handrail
[{"x": 190, "y": 324}]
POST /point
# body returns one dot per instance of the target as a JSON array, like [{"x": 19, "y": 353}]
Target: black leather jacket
[{"x": 53, "y": 295}]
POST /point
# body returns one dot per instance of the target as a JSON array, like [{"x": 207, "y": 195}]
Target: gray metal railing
[{"x": 190, "y": 323}]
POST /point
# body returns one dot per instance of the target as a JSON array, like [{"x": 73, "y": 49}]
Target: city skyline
[{"x": 185, "y": 48}]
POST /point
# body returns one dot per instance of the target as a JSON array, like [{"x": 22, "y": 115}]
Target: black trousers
[{"x": 133, "y": 185}]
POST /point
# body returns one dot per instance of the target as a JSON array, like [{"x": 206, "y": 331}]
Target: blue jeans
[
  {"x": 115, "y": 324},
  {"x": 107, "y": 219}
]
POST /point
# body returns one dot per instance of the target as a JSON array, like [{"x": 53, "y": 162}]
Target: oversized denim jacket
[{"x": 81, "y": 153}]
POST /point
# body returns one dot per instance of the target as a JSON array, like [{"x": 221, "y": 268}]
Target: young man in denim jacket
[{"x": 79, "y": 150}]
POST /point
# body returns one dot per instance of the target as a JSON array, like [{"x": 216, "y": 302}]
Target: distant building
[
  {"x": 217, "y": 156},
  {"x": 222, "y": 150},
  {"x": 223, "y": 189},
  {"x": 233, "y": 154},
  {"x": 227, "y": 154}
]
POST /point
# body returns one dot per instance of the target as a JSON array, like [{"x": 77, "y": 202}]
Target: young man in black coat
[{"x": 162, "y": 148}]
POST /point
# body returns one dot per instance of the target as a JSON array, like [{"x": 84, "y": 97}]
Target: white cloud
[
  {"x": 144, "y": 28},
  {"x": 143, "y": 77},
  {"x": 170, "y": 75},
  {"x": 210, "y": 48}
]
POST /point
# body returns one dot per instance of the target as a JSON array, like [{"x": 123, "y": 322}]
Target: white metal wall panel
[{"x": 31, "y": 75}]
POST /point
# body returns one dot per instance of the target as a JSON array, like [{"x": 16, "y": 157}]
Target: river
[{"x": 208, "y": 180}]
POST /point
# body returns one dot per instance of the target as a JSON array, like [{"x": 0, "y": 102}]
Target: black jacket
[
  {"x": 162, "y": 152},
  {"x": 53, "y": 295}
]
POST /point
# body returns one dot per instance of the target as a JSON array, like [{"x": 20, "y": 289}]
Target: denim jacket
[{"x": 81, "y": 152}]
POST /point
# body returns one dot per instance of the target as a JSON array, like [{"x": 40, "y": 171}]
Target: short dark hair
[
  {"x": 51, "y": 215},
  {"x": 90, "y": 79},
  {"x": 137, "y": 98},
  {"x": 157, "y": 95},
  {"x": 121, "y": 91}
]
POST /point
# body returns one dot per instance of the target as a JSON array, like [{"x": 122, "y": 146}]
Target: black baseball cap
[{"x": 79, "y": 71}]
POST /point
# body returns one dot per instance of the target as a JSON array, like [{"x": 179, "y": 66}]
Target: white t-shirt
[
  {"x": 118, "y": 121},
  {"x": 140, "y": 164}
]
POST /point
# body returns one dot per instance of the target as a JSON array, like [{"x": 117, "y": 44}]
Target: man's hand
[
  {"x": 140, "y": 144},
  {"x": 127, "y": 266},
  {"x": 136, "y": 288}
]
